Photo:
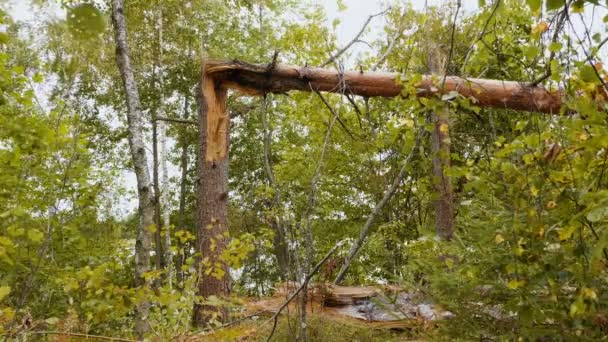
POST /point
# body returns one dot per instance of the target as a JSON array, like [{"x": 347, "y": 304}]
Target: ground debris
[{"x": 383, "y": 307}]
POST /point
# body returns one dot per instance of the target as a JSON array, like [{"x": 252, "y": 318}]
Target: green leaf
[
  {"x": 587, "y": 73},
  {"x": 531, "y": 52},
  {"x": 555, "y": 47},
  {"x": 555, "y": 4},
  {"x": 34, "y": 235},
  {"x": 85, "y": 21},
  {"x": 578, "y": 6},
  {"x": 4, "y": 291},
  {"x": 482, "y": 3},
  {"x": 534, "y": 5},
  {"x": 597, "y": 214}
]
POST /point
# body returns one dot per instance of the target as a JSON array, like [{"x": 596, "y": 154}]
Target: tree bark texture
[
  {"x": 181, "y": 217},
  {"x": 281, "y": 250},
  {"x": 140, "y": 162},
  {"x": 212, "y": 196},
  {"x": 259, "y": 79},
  {"x": 158, "y": 256},
  {"x": 440, "y": 147}
]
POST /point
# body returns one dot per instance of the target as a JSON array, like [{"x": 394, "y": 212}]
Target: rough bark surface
[
  {"x": 444, "y": 204},
  {"x": 257, "y": 79},
  {"x": 140, "y": 162},
  {"x": 281, "y": 250},
  {"x": 212, "y": 197}
]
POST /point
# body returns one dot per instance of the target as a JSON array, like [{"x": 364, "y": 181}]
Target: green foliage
[
  {"x": 85, "y": 21},
  {"x": 530, "y": 254}
]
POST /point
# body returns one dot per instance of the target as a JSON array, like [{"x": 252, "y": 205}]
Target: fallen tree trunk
[{"x": 259, "y": 79}]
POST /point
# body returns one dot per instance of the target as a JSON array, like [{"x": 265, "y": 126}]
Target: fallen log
[{"x": 255, "y": 79}]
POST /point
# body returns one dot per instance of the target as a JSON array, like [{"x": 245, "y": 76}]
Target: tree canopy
[{"x": 452, "y": 157}]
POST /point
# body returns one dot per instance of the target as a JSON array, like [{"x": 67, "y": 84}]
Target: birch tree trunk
[
  {"x": 181, "y": 216},
  {"x": 214, "y": 125},
  {"x": 140, "y": 162},
  {"x": 164, "y": 200},
  {"x": 164, "y": 189}
]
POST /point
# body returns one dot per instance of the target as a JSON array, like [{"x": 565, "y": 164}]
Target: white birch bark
[{"x": 140, "y": 161}]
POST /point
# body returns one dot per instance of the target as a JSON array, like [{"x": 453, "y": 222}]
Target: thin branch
[
  {"x": 561, "y": 19},
  {"x": 587, "y": 55},
  {"x": 480, "y": 37},
  {"x": 333, "y": 112},
  {"x": 357, "y": 109},
  {"x": 391, "y": 44},
  {"x": 451, "y": 53},
  {"x": 355, "y": 40},
  {"x": 275, "y": 317},
  {"x": 176, "y": 120}
]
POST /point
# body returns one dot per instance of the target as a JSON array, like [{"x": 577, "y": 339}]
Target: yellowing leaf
[
  {"x": 534, "y": 5},
  {"x": 4, "y": 291},
  {"x": 514, "y": 284},
  {"x": 577, "y": 308},
  {"x": 589, "y": 293},
  {"x": 539, "y": 28},
  {"x": 566, "y": 233},
  {"x": 582, "y": 136},
  {"x": 534, "y": 191},
  {"x": 499, "y": 239}
]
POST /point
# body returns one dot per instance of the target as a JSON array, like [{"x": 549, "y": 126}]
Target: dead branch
[
  {"x": 176, "y": 120},
  {"x": 355, "y": 40}
]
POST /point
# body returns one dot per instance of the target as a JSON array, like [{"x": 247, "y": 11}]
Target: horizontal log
[{"x": 259, "y": 79}]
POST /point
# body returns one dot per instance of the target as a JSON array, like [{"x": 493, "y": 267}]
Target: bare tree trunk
[
  {"x": 164, "y": 200},
  {"x": 280, "y": 239},
  {"x": 440, "y": 151},
  {"x": 140, "y": 163},
  {"x": 214, "y": 124},
  {"x": 183, "y": 160},
  {"x": 164, "y": 194},
  {"x": 157, "y": 222},
  {"x": 444, "y": 204},
  {"x": 377, "y": 209}
]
